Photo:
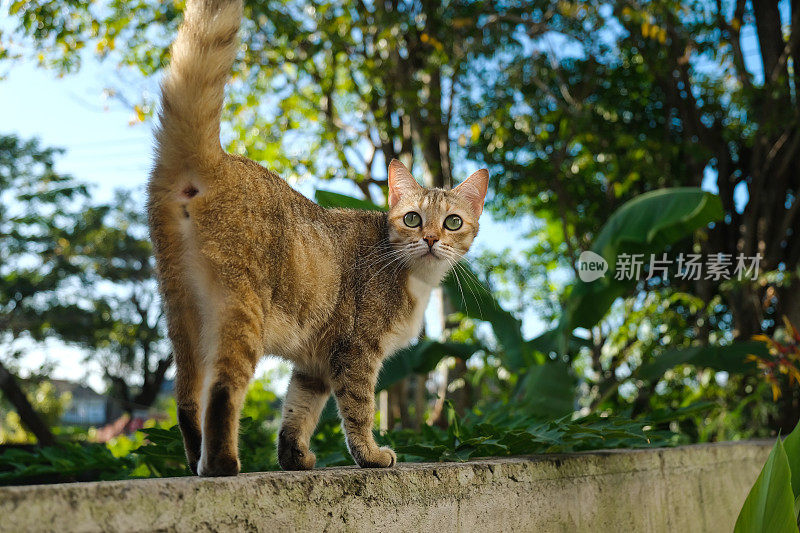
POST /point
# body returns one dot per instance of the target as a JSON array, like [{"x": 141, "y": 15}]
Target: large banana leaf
[
  {"x": 420, "y": 359},
  {"x": 334, "y": 199},
  {"x": 547, "y": 390},
  {"x": 548, "y": 342},
  {"x": 474, "y": 299},
  {"x": 792, "y": 447},
  {"x": 645, "y": 225}
]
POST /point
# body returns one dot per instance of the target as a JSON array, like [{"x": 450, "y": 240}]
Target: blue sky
[{"x": 103, "y": 148}]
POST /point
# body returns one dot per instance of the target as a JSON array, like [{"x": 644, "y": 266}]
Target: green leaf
[
  {"x": 658, "y": 218},
  {"x": 426, "y": 451},
  {"x": 420, "y": 359},
  {"x": 645, "y": 225},
  {"x": 547, "y": 390},
  {"x": 792, "y": 446},
  {"x": 547, "y": 342},
  {"x": 334, "y": 199},
  {"x": 769, "y": 507},
  {"x": 660, "y": 416},
  {"x": 730, "y": 358}
]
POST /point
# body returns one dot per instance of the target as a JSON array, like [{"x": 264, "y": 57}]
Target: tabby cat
[{"x": 247, "y": 266}]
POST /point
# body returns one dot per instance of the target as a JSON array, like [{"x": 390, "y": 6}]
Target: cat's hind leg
[
  {"x": 238, "y": 350},
  {"x": 305, "y": 399},
  {"x": 183, "y": 328},
  {"x": 188, "y": 384}
]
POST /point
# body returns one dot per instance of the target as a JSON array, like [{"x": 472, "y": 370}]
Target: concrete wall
[{"x": 686, "y": 489}]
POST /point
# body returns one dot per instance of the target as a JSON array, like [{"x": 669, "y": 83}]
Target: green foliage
[
  {"x": 39, "y": 214},
  {"x": 66, "y": 462},
  {"x": 730, "y": 358},
  {"x": 772, "y": 504},
  {"x": 45, "y": 400},
  {"x": 494, "y": 432},
  {"x": 79, "y": 271},
  {"x": 162, "y": 455},
  {"x": 259, "y": 426},
  {"x": 547, "y": 390},
  {"x": 117, "y": 317}
]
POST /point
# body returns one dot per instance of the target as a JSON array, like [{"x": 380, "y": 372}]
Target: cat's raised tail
[{"x": 193, "y": 88}]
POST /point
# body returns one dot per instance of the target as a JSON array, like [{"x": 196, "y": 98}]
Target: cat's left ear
[
  {"x": 473, "y": 190},
  {"x": 400, "y": 182}
]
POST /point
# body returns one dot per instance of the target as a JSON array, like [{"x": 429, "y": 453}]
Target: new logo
[{"x": 591, "y": 266}]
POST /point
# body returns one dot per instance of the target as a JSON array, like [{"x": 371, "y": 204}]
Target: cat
[{"x": 247, "y": 266}]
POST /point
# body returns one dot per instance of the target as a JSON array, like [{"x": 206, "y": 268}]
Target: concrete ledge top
[{"x": 692, "y": 488}]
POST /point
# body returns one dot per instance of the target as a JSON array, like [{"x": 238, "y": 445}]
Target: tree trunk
[
  {"x": 32, "y": 420},
  {"x": 152, "y": 384},
  {"x": 121, "y": 391}
]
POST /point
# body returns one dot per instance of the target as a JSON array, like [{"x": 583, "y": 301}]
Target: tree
[
  {"x": 37, "y": 211},
  {"x": 79, "y": 272},
  {"x": 646, "y": 96},
  {"x": 118, "y": 317},
  {"x": 595, "y": 103}
]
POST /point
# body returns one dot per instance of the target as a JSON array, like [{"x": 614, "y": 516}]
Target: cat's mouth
[{"x": 427, "y": 254}]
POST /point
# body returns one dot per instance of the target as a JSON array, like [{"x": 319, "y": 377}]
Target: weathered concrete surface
[{"x": 687, "y": 489}]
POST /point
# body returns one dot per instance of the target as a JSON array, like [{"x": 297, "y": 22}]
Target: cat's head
[{"x": 431, "y": 229}]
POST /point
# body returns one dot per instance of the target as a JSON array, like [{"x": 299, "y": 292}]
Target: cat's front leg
[
  {"x": 304, "y": 402},
  {"x": 354, "y": 377}
]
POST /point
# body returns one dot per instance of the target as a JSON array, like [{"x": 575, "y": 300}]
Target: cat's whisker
[
  {"x": 460, "y": 289},
  {"x": 368, "y": 262},
  {"x": 469, "y": 286},
  {"x": 394, "y": 260},
  {"x": 455, "y": 259},
  {"x": 479, "y": 284},
  {"x": 471, "y": 275}
]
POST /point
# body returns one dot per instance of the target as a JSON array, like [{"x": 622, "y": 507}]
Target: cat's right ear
[{"x": 401, "y": 182}]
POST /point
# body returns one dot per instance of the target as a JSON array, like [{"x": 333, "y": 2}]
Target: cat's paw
[
  {"x": 294, "y": 456},
  {"x": 381, "y": 458},
  {"x": 218, "y": 466}
]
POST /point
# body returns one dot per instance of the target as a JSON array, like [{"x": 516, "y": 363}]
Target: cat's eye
[
  {"x": 412, "y": 219},
  {"x": 453, "y": 222}
]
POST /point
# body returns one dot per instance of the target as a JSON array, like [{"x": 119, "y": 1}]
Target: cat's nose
[{"x": 431, "y": 240}]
